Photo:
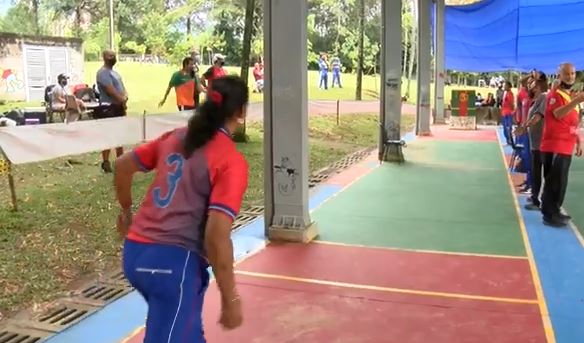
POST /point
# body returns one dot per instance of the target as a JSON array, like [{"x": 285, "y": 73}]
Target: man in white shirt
[{"x": 59, "y": 95}]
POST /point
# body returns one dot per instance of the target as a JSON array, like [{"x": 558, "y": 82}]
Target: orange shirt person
[
  {"x": 559, "y": 142},
  {"x": 184, "y": 82}
]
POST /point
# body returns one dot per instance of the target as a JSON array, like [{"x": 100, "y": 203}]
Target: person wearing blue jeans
[
  {"x": 525, "y": 159},
  {"x": 507, "y": 122},
  {"x": 336, "y": 72},
  {"x": 323, "y": 67}
]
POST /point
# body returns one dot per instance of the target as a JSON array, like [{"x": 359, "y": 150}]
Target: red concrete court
[
  {"x": 331, "y": 293},
  {"x": 338, "y": 292}
]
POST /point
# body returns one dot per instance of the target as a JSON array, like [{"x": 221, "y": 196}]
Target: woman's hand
[
  {"x": 124, "y": 222},
  {"x": 231, "y": 314}
]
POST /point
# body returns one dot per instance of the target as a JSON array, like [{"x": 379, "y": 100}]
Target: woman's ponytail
[{"x": 225, "y": 98}]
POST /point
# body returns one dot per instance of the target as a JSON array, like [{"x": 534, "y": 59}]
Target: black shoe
[
  {"x": 532, "y": 207},
  {"x": 106, "y": 167},
  {"x": 554, "y": 221},
  {"x": 565, "y": 217}
]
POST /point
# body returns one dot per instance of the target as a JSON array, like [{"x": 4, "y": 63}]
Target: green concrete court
[
  {"x": 449, "y": 196},
  {"x": 573, "y": 202}
]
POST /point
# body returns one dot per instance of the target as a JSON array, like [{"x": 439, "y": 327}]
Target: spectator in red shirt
[
  {"x": 522, "y": 109},
  {"x": 216, "y": 70},
  {"x": 559, "y": 141},
  {"x": 184, "y": 222},
  {"x": 523, "y": 101},
  {"x": 508, "y": 108},
  {"x": 258, "y": 75}
]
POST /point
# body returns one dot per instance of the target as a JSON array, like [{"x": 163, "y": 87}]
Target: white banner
[
  {"x": 35, "y": 143},
  {"x": 157, "y": 124}
]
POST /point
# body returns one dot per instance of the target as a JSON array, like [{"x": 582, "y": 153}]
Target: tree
[
  {"x": 413, "y": 45},
  {"x": 247, "y": 34},
  {"x": 136, "y": 48},
  {"x": 359, "y": 90},
  {"x": 155, "y": 29},
  {"x": 97, "y": 40},
  {"x": 35, "y": 15},
  {"x": 241, "y": 136},
  {"x": 18, "y": 19},
  {"x": 64, "y": 9}
]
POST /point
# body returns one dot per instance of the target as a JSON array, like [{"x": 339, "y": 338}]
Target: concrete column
[
  {"x": 439, "y": 72},
  {"x": 286, "y": 122},
  {"x": 391, "y": 66},
  {"x": 424, "y": 68}
]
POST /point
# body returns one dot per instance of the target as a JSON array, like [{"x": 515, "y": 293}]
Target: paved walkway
[{"x": 255, "y": 110}]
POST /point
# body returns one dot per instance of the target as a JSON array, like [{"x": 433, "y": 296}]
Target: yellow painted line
[
  {"x": 133, "y": 334},
  {"x": 388, "y": 289},
  {"x": 436, "y": 252},
  {"x": 545, "y": 316}
]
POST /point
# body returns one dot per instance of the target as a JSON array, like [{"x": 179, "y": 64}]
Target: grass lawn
[
  {"x": 64, "y": 230},
  {"x": 146, "y": 84}
]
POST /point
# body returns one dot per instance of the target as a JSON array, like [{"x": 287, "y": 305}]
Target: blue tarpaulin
[{"x": 496, "y": 35}]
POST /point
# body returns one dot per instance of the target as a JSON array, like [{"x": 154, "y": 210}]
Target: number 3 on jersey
[{"x": 175, "y": 171}]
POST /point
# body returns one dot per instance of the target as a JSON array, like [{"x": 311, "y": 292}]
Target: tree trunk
[
  {"x": 247, "y": 34},
  {"x": 406, "y": 52},
  {"x": 35, "y": 14},
  {"x": 360, "y": 62},
  {"x": 245, "y": 57},
  {"x": 189, "y": 25},
  {"x": 412, "y": 57},
  {"x": 78, "y": 15}
]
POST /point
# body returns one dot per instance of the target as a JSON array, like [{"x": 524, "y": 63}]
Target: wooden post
[
  {"x": 144, "y": 126},
  {"x": 6, "y": 168},
  {"x": 338, "y": 111}
]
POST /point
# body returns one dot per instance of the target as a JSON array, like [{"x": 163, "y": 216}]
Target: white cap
[{"x": 218, "y": 57}]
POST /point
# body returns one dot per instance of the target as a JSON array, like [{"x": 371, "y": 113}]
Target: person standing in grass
[
  {"x": 336, "y": 72},
  {"x": 113, "y": 98},
  {"x": 323, "y": 67},
  {"x": 184, "y": 223},
  {"x": 185, "y": 83},
  {"x": 216, "y": 71}
]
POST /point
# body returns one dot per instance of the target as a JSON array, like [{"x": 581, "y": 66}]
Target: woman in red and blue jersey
[{"x": 184, "y": 223}]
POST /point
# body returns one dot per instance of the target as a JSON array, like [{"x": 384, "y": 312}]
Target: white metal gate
[{"x": 42, "y": 66}]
